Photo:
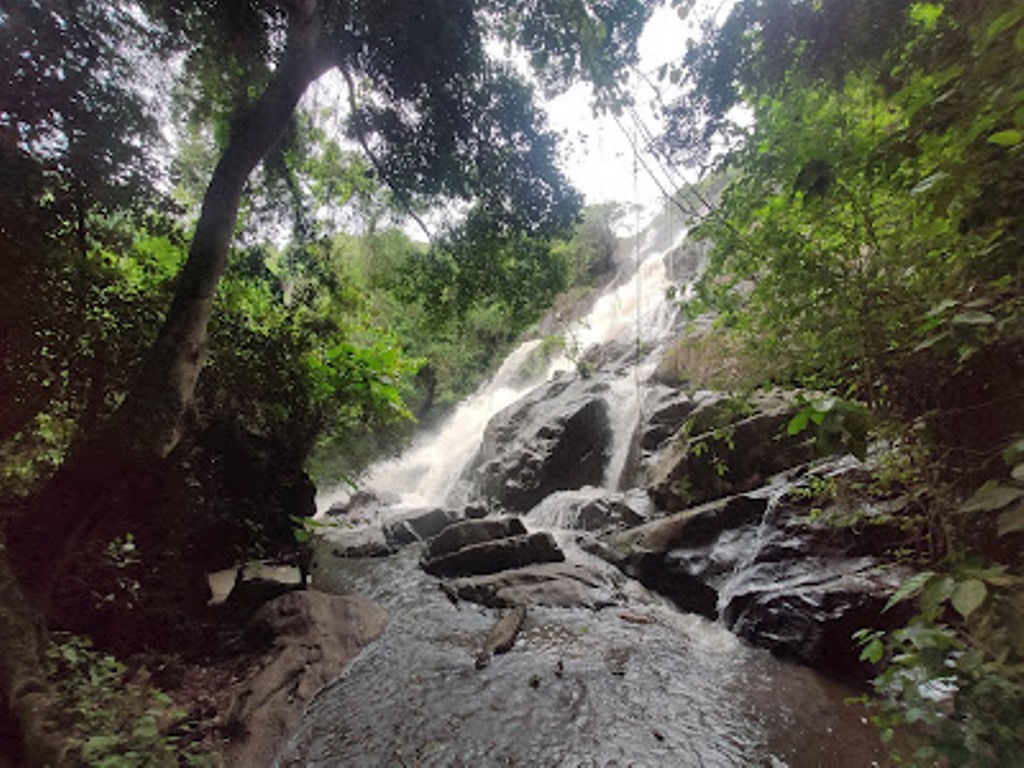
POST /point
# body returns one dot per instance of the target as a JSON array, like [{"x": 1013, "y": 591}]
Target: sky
[{"x": 598, "y": 154}]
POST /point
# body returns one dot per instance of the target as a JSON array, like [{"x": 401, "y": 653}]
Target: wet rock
[
  {"x": 359, "y": 542},
  {"x": 362, "y": 503},
  {"x": 496, "y": 555},
  {"x": 311, "y": 637},
  {"x": 475, "y": 511},
  {"x": 468, "y": 532},
  {"x": 591, "y": 509},
  {"x": 556, "y": 438},
  {"x": 419, "y": 526},
  {"x": 668, "y": 410},
  {"x": 808, "y": 611},
  {"x": 727, "y": 446},
  {"x": 696, "y": 527},
  {"x": 554, "y": 584},
  {"x": 782, "y": 579}
]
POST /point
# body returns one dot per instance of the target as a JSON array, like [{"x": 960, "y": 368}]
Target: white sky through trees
[{"x": 597, "y": 151}]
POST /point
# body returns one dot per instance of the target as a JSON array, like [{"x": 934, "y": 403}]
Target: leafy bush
[{"x": 118, "y": 720}]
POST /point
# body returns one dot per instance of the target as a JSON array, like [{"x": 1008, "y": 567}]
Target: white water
[
  {"x": 634, "y": 312},
  {"x": 635, "y": 684}
]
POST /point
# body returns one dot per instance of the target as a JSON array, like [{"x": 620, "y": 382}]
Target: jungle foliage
[{"x": 870, "y": 245}]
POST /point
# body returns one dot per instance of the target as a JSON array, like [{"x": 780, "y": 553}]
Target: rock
[
  {"x": 313, "y": 636},
  {"x": 496, "y": 555},
  {"x": 782, "y": 580},
  {"x": 555, "y": 584},
  {"x": 644, "y": 552},
  {"x": 668, "y": 410},
  {"x": 460, "y": 535},
  {"x": 590, "y": 509},
  {"x": 705, "y": 357},
  {"x": 556, "y": 438},
  {"x": 475, "y": 511},
  {"x": 359, "y": 542},
  {"x": 808, "y": 611},
  {"x": 722, "y": 450},
  {"x": 419, "y": 526},
  {"x": 695, "y": 527},
  {"x": 502, "y": 636},
  {"x": 363, "y": 504}
]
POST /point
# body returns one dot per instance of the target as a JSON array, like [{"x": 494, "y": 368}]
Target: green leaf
[
  {"x": 1008, "y": 138},
  {"x": 931, "y": 341},
  {"x": 799, "y": 422},
  {"x": 937, "y": 592},
  {"x": 928, "y": 182},
  {"x": 909, "y": 588},
  {"x": 973, "y": 318},
  {"x": 873, "y": 651},
  {"x": 146, "y": 728},
  {"x": 968, "y": 596},
  {"x": 1011, "y": 520},
  {"x": 1003, "y": 23},
  {"x": 95, "y": 746},
  {"x": 992, "y": 496},
  {"x": 942, "y": 306},
  {"x": 1014, "y": 452},
  {"x": 1017, "y": 473}
]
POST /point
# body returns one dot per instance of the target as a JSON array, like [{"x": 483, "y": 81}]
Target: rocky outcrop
[
  {"x": 496, "y": 563},
  {"x": 777, "y": 576},
  {"x": 311, "y": 637},
  {"x": 556, "y": 438},
  {"x": 726, "y": 446},
  {"x": 470, "y": 532},
  {"x": 487, "y": 546}
]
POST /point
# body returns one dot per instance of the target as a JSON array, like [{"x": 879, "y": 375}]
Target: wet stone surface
[{"x": 633, "y": 684}]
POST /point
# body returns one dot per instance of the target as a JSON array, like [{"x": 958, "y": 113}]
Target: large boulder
[
  {"x": 309, "y": 637},
  {"x": 419, "y": 526},
  {"x": 469, "y": 532},
  {"x": 496, "y": 555},
  {"x": 727, "y": 446},
  {"x": 556, "y": 438},
  {"x": 796, "y": 583}
]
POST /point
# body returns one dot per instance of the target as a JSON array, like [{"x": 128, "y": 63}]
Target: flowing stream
[{"x": 635, "y": 683}]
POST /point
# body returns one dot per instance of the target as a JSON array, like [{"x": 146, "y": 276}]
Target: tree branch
[{"x": 374, "y": 160}]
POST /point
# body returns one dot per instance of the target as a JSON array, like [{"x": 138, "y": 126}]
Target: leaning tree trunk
[{"x": 96, "y": 480}]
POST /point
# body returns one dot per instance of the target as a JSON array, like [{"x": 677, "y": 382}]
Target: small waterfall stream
[
  {"x": 633, "y": 313},
  {"x": 635, "y": 683}
]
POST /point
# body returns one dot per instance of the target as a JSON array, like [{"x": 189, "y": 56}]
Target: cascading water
[
  {"x": 634, "y": 313},
  {"x": 637, "y": 683}
]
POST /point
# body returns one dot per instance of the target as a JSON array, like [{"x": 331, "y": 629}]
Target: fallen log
[{"x": 502, "y": 635}]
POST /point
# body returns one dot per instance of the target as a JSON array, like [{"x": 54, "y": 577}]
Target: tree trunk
[
  {"x": 27, "y": 694},
  {"x": 94, "y": 482}
]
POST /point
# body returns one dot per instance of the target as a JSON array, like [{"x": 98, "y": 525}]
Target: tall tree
[{"x": 439, "y": 117}]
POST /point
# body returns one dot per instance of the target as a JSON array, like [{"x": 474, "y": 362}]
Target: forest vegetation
[{"x": 202, "y": 264}]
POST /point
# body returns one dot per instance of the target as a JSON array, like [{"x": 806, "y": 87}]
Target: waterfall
[{"x": 634, "y": 313}]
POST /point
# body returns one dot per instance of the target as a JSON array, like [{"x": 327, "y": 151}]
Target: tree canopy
[{"x": 868, "y": 245}]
